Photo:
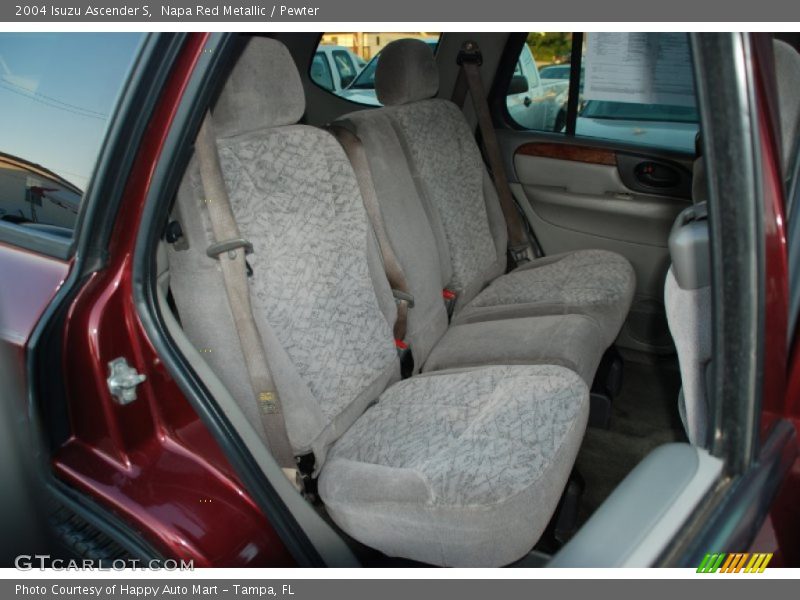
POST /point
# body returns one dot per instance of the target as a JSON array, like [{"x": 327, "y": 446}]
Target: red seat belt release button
[
  {"x": 449, "y": 301},
  {"x": 406, "y": 359}
]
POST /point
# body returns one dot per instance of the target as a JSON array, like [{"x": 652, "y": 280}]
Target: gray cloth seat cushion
[
  {"x": 458, "y": 468},
  {"x": 595, "y": 283},
  {"x": 572, "y": 341}
]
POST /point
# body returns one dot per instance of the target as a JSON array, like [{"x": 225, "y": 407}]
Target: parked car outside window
[
  {"x": 333, "y": 68},
  {"x": 352, "y": 80}
]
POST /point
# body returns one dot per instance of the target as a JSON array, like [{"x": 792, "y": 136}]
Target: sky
[{"x": 57, "y": 91}]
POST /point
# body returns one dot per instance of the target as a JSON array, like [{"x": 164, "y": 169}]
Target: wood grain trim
[{"x": 573, "y": 152}]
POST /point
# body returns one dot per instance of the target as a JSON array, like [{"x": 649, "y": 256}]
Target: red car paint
[
  {"x": 781, "y": 530},
  {"x": 153, "y": 462},
  {"x": 28, "y": 283},
  {"x": 776, "y": 276}
]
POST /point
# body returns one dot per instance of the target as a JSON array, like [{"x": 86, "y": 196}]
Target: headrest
[
  {"x": 406, "y": 72},
  {"x": 787, "y": 73},
  {"x": 263, "y": 90}
]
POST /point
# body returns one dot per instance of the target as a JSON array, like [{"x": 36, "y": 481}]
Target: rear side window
[
  {"x": 635, "y": 88},
  {"x": 57, "y": 93},
  {"x": 344, "y": 63}
]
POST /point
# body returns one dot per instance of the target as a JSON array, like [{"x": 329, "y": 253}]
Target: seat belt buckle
[
  {"x": 449, "y": 297},
  {"x": 470, "y": 53},
  {"x": 521, "y": 254},
  {"x": 305, "y": 479},
  {"x": 406, "y": 358}
]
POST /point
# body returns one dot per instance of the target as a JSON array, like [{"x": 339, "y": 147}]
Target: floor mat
[{"x": 644, "y": 416}]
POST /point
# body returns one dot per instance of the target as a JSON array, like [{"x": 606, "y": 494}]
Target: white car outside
[{"x": 335, "y": 67}]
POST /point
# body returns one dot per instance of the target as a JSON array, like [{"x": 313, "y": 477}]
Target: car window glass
[
  {"x": 321, "y": 72},
  {"x": 635, "y": 88},
  {"x": 535, "y": 102},
  {"x": 366, "y": 79},
  {"x": 57, "y": 92},
  {"x": 355, "y": 56},
  {"x": 638, "y": 88}
]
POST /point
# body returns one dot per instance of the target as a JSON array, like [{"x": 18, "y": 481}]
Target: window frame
[{"x": 502, "y": 116}]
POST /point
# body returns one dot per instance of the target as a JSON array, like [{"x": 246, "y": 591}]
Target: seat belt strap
[
  {"x": 394, "y": 271},
  {"x": 230, "y": 249},
  {"x": 470, "y": 61}
]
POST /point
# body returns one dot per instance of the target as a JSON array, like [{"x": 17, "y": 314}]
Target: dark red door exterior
[{"x": 152, "y": 463}]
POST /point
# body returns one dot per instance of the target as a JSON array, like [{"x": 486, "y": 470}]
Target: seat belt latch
[
  {"x": 305, "y": 476},
  {"x": 521, "y": 254}
]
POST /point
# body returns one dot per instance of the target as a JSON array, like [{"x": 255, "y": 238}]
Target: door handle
[{"x": 656, "y": 175}]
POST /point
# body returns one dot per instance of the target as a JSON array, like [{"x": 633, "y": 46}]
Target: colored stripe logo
[{"x": 734, "y": 563}]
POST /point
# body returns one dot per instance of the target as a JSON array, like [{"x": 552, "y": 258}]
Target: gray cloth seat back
[
  {"x": 408, "y": 226},
  {"x": 687, "y": 299},
  {"x": 446, "y": 163},
  {"x": 321, "y": 298},
  {"x": 688, "y": 312}
]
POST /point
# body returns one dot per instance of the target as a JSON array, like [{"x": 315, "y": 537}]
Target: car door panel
[
  {"x": 580, "y": 195},
  {"x": 592, "y": 199}
]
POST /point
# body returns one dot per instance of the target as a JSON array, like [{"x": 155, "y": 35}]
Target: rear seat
[
  {"x": 430, "y": 140},
  {"x": 575, "y": 341},
  {"x": 461, "y": 467}
]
